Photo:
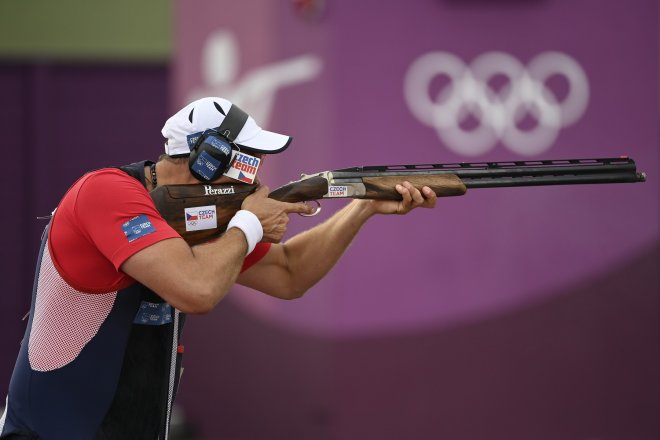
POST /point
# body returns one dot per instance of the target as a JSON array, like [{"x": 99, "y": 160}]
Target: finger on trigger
[{"x": 300, "y": 207}]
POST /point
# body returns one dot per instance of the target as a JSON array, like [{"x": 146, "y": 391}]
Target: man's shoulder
[
  {"x": 111, "y": 173},
  {"x": 105, "y": 184},
  {"x": 108, "y": 176}
]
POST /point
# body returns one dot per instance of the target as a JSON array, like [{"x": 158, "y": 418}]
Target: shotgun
[{"x": 201, "y": 212}]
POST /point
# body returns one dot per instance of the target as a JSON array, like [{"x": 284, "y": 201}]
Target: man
[{"x": 101, "y": 355}]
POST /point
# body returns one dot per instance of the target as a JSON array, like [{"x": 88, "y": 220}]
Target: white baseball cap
[{"x": 185, "y": 126}]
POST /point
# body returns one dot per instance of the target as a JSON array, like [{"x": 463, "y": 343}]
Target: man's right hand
[{"x": 273, "y": 215}]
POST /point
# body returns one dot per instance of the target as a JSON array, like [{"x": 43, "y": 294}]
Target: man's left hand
[{"x": 412, "y": 198}]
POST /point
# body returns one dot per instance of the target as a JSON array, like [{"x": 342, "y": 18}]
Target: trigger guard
[{"x": 318, "y": 209}]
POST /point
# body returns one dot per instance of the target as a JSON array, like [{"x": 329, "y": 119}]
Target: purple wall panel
[
  {"x": 14, "y": 245},
  {"x": 583, "y": 365},
  {"x": 60, "y": 120}
]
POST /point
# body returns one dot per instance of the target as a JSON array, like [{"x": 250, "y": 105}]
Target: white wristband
[{"x": 250, "y": 225}]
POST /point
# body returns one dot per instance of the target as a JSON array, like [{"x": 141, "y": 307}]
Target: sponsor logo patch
[
  {"x": 153, "y": 314},
  {"x": 137, "y": 227},
  {"x": 219, "y": 145},
  {"x": 337, "y": 191},
  {"x": 191, "y": 139},
  {"x": 200, "y": 218},
  {"x": 244, "y": 168},
  {"x": 206, "y": 165}
]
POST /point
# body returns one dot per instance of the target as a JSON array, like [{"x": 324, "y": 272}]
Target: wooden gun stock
[{"x": 172, "y": 201}]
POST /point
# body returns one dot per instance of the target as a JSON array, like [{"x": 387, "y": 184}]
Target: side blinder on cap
[{"x": 233, "y": 123}]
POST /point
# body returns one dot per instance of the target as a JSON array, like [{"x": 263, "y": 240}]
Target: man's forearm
[
  {"x": 290, "y": 269},
  {"x": 311, "y": 254}
]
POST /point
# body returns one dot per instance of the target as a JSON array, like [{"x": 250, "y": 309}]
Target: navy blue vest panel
[{"x": 121, "y": 384}]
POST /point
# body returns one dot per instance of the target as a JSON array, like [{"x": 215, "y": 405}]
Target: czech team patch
[
  {"x": 244, "y": 168},
  {"x": 337, "y": 191},
  {"x": 137, "y": 227},
  {"x": 200, "y": 218}
]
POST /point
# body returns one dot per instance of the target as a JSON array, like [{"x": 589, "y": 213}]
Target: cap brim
[{"x": 266, "y": 142}]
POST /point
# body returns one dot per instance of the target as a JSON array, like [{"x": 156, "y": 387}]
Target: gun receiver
[{"x": 379, "y": 182}]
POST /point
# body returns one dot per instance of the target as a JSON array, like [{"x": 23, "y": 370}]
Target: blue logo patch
[
  {"x": 153, "y": 314},
  {"x": 219, "y": 144},
  {"x": 137, "y": 227},
  {"x": 192, "y": 139},
  {"x": 205, "y": 165}
]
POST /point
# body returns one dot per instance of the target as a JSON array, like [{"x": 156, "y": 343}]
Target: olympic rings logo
[{"x": 524, "y": 113}]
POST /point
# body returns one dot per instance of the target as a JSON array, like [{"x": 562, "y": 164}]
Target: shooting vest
[{"x": 121, "y": 380}]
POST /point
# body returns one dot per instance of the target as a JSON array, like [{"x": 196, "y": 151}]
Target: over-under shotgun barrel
[{"x": 514, "y": 173}]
